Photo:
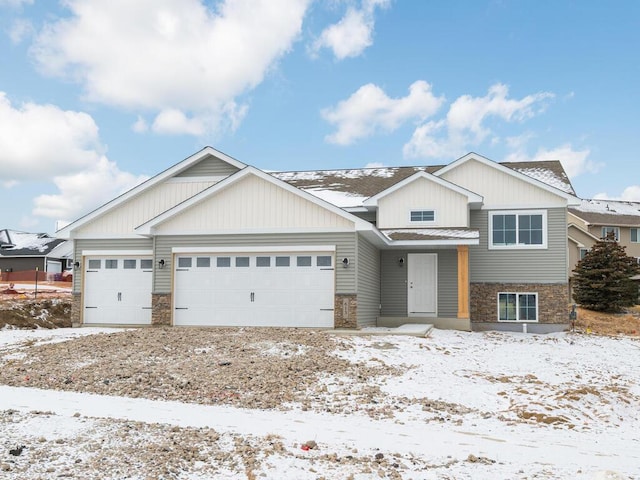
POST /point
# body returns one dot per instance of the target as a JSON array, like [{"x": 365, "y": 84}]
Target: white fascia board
[
  {"x": 571, "y": 199},
  {"x": 471, "y": 196},
  {"x": 256, "y": 249},
  {"x": 66, "y": 232},
  {"x": 116, "y": 253},
  {"x": 512, "y": 206},
  {"x": 106, "y": 236},
  {"x": 576, "y": 242},
  {"x": 148, "y": 227},
  {"x": 584, "y": 232}
]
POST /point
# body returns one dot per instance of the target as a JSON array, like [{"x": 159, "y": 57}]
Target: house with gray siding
[{"x": 214, "y": 241}]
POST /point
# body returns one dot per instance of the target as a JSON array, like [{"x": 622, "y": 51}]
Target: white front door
[{"x": 422, "y": 284}]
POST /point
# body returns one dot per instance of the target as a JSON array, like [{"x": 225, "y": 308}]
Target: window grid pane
[
  {"x": 323, "y": 261},
  {"x": 634, "y": 235},
  {"x": 304, "y": 261},
  {"x": 263, "y": 261},
  {"x": 223, "y": 262},
  {"x": 95, "y": 264},
  {"x": 242, "y": 261},
  {"x": 422, "y": 215},
  {"x": 129, "y": 264},
  {"x": 283, "y": 261},
  {"x": 184, "y": 262},
  {"x": 111, "y": 264},
  {"x": 504, "y": 229},
  {"x": 203, "y": 262},
  {"x": 146, "y": 263}
]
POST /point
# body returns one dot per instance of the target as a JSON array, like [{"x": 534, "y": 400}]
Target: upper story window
[
  {"x": 583, "y": 252},
  {"x": 607, "y": 230},
  {"x": 423, "y": 215},
  {"x": 635, "y": 235},
  {"x": 518, "y": 229}
]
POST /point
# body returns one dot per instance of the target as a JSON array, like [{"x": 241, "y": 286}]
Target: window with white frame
[
  {"x": 518, "y": 229},
  {"x": 607, "y": 230},
  {"x": 583, "y": 252},
  {"x": 517, "y": 307},
  {"x": 635, "y": 235},
  {"x": 423, "y": 215}
]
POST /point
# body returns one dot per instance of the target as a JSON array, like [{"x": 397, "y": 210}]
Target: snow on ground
[{"x": 503, "y": 406}]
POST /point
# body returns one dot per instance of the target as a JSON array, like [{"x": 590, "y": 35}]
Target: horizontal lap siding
[
  {"x": 521, "y": 265},
  {"x": 368, "y": 286},
  {"x": 394, "y": 283},
  {"x": 209, "y": 166},
  {"x": 345, "y": 247},
  {"x": 106, "y": 244}
]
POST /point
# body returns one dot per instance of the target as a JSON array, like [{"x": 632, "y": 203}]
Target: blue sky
[{"x": 97, "y": 95}]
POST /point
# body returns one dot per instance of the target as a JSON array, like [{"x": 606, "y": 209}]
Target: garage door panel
[
  {"x": 259, "y": 289},
  {"x": 117, "y": 290}
]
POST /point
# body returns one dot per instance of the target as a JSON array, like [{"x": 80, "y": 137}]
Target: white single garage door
[
  {"x": 117, "y": 290},
  {"x": 292, "y": 289}
]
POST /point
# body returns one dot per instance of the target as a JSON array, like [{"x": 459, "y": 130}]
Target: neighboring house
[
  {"x": 213, "y": 241},
  {"x": 593, "y": 219},
  {"x": 22, "y": 251}
]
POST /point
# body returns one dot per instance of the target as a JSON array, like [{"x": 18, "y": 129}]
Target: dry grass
[{"x": 609, "y": 324}]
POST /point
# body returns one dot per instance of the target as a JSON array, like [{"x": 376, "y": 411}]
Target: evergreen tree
[{"x": 602, "y": 278}]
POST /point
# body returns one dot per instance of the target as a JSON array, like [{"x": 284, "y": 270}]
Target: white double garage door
[{"x": 287, "y": 287}]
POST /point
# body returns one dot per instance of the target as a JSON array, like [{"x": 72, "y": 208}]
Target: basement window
[{"x": 517, "y": 307}]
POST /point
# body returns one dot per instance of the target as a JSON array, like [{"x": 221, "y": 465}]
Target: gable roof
[
  {"x": 471, "y": 197},
  {"x": 529, "y": 172},
  {"x": 147, "y": 227},
  {"x": 14, "y": 243},
  {"x": 350, "y": 188},
  {"x": 608, "y": 212},
  {"x": 162, "y": 176}
]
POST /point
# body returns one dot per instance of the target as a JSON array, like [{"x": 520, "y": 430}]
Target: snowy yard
[{"x": 235, "y": 404}]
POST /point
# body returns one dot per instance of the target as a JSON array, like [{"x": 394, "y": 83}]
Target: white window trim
[
  {"x": 637, "y": 235},
  {"x": 518, "y": 246},
  {"x": 615, "y": 229},
  {"x": 422, "y": 222},
  {"x": 517, "y": 320},
  {"x": 580, "y": 256}
]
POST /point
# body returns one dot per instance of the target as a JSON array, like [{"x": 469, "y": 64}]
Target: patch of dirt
[
  {"x": 29, "y": 313},
  {"x": 230, "y": 366},
  {"x": 609, "y": 324}
]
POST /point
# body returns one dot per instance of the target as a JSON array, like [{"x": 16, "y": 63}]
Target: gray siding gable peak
[
  {"x": 571, "y": 199},
  {"x": 67, "y": 231}
]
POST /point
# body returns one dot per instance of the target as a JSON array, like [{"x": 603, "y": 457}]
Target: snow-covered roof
[
  {"x": 17, "y": 244},
  {"x": 400, "y": 234},
  {"x": 350, "y": 188},
  {"x": 608, "y": 212}
]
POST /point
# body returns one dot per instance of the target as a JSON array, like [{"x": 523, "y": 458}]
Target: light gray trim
[
  {"x": 394, "y": 282},
  {"x": 368, "y": 283},
  {"x": 345, "y": 244},
  {"x": 521, "y": 266}
]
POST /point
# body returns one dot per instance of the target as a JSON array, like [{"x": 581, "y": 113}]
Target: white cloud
[
  {"x": 370, "y": 110},
  {"x": 21, "y": 29},
  {"x": 40, "y": 141},
  {"x": 353, "y": 33},
  {"x": 465, "y": 124},
  {"x": 173, "y": 121},
  {"x": 629, "y": 194},
  {"x": 27, "y": 223},
  {"x": 84, "y": 191},
  {"x": 574, "y": 162},
  {"x": 159, "y": 56},
  {"x": 140, "y": 125},
  {"x": 374, "y": 165}
]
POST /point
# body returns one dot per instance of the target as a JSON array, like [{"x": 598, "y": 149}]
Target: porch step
[
  {"x": 407, "y": 329},
  {"x": 442, "y": 323}
]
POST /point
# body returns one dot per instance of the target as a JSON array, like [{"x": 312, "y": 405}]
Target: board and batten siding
[
  {"x": 450, "y": 207},
  {"x": 394, "y": 283},
  {"x": 499, "y": 188},
  {"x": 253, "y": 203},
  {"x": 368, "y": 283},
  {"x": 518, "y": 265},
  {"x": 107, "y": 245},
  {"x": 209, "y": 167},
  {"x": 345, "y": 244},
  {"x": 124, "y": 218}
]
